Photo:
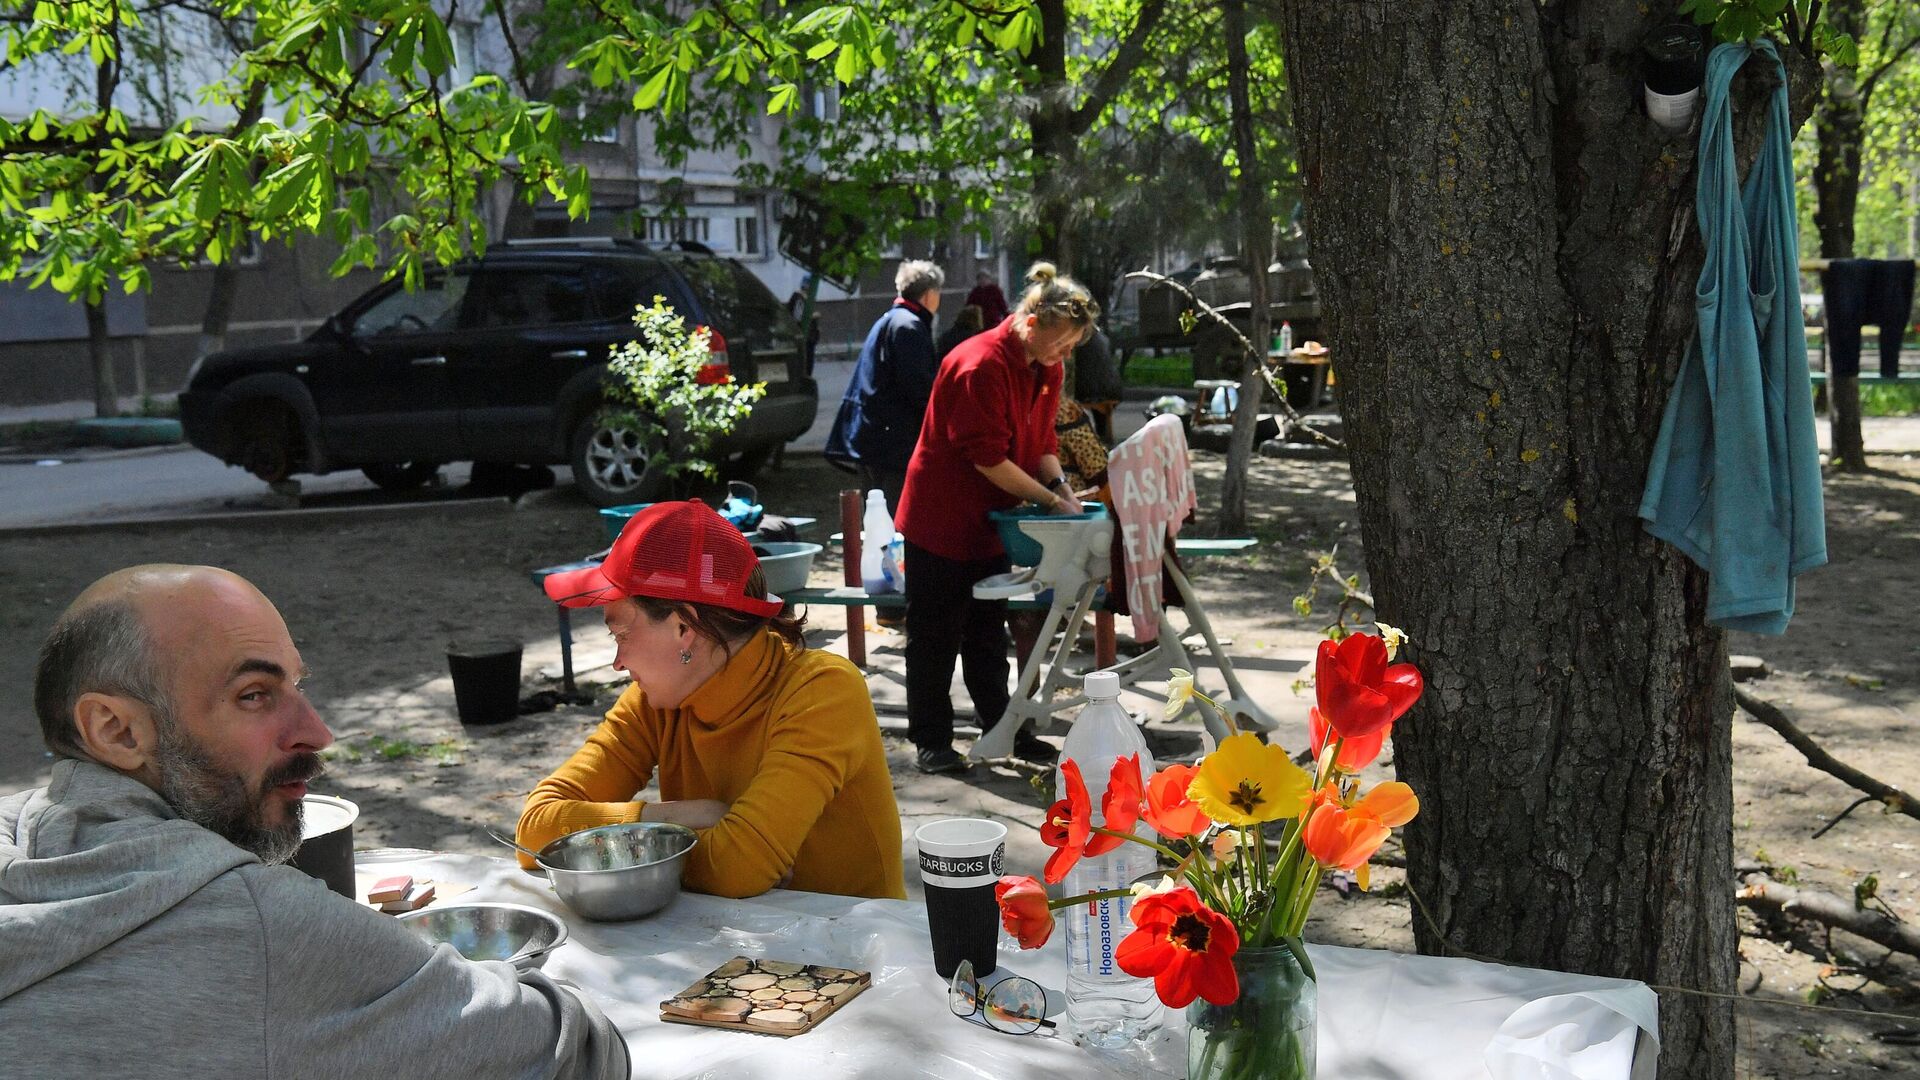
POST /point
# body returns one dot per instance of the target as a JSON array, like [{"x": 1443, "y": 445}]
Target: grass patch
[
  {"x": 1889, "y": 399},
  {"x": 445, "y": 753},
  {"x": 1173, "y": 369}
]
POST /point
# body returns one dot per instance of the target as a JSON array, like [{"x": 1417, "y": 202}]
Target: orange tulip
[
  {"x": 1024, "y": 910},
  {"x": 1356, "y": 753},
  {"x": 1336, "y": 836},
  {"x": 1347, "y": 836},
  {"x": 1169, "y": 811}
]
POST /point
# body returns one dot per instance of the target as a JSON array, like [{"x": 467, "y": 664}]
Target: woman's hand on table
[
  {"x": 693, "y": 813},
  {"x": 1066, "y": 502}
]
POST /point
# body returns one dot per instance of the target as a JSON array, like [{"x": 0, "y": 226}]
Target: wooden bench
[{"x": 1820, "y": 379}]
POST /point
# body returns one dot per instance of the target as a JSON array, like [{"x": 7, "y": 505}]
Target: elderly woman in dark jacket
[{"x": 879, "y": 419}]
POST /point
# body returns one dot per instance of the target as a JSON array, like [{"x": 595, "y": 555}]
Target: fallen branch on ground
[
  {"x": 1762, "y": 893},
  {"x": 1773, "y": 717}
]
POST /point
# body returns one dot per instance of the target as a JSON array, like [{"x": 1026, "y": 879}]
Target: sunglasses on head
[{"x": 1014, "y": 1005}]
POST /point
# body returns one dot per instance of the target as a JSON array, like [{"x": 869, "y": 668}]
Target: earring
[{"x": 686, "y": 657}]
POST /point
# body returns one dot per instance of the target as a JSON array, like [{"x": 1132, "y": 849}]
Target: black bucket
[
  {"x": 326, "y": 842},
  {"x": 486, "y": 681}
]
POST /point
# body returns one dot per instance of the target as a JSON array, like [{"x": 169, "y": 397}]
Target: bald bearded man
[{"x": 146, "y": 924}]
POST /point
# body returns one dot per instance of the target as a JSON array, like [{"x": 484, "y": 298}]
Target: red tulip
[
  {"x": 1023, "y": 910},
  {"x": 1184, "y": 946},
  {"x": 1355, "y": 753},
  {"x": 1068, "y": 826},
  {"x": 1169, "y": 811},
  {"x": 1120, "y": 806},
  {"x": 1359, "y": 692}
]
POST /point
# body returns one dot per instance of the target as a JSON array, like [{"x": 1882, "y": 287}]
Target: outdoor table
[{"x": 1381, "y": 1014}]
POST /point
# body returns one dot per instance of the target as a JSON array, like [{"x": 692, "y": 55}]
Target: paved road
[{"x": 172, "y": 481}]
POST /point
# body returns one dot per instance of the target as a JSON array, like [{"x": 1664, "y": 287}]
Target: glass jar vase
[{"x": 1267, "y": 1033}]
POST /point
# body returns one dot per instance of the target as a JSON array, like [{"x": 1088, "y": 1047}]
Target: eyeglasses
[{"x": 1014, "y": 1005}]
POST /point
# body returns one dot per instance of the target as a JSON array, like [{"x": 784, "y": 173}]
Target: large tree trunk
[
  {"x": 1052, "y": 139},
  {"x": 1839, "y": 132},
  {"x": 1506, "y": 252},
  {"x": 106, "y": 388},
  {"x": 1256, "y": 229}
]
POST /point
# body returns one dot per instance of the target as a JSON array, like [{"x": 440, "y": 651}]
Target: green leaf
[
  {"x": 650, "y": 91},
  {"x": 782, "y": 99}
]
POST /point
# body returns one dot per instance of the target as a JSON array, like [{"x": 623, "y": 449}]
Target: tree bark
[
  {"x": 106, "y": 388},
  {"x": 1256, "y": 239},
  {"x": 1052, "y": 138},
  {"x": 1839, "y": 132},
  {"x": 1506, "y": 253}
]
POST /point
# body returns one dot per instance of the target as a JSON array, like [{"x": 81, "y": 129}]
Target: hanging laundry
[
  {"x": 1734, "y": 481},
  {"x": 1866, "y": 292}
]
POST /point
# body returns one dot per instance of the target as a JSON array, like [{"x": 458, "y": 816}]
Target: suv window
[
  {"x": 619, "y": 288},
  {"x": 737, "y": 302},
  {"x": 530, "y": 297},
  {"x": 432, "y": 308}
]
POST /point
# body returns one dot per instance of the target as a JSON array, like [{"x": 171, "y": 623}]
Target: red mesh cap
[{"x": 671, "y": 551}]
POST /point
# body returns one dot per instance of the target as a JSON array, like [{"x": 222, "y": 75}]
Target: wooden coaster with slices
[{"x": 775, "y": 997}]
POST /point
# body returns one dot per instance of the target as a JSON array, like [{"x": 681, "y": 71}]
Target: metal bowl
[
  {"x": 618, "y": 872},
  {"x": 480, "y": 931}
]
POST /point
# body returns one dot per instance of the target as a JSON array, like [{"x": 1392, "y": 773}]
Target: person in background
[
  {"x": 767, "y": 748},
  {"x": 988, "y": 444},
  {"x": 879, "y": 418},
  {"x": 1097, "y": 383},
  {"x": 147, "y": 925},
  {"x": 966, "y": 324},
  {"x": 986, "y": 296}
]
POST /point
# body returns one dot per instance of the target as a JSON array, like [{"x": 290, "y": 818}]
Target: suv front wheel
[{"x": 614, "y": 464}]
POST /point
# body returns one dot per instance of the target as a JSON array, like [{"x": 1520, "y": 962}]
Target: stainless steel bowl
[
  {"x": 482, "y": 931},
  {"x": 618, "y": 872}
]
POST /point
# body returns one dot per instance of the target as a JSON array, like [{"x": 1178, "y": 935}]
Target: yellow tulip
[{"x": 1246, "y": 781}]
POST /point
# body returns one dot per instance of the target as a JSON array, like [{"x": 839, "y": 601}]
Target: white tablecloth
[{"x": 1381, "y": 1014}]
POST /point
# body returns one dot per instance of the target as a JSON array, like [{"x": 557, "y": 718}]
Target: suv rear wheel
[
  {"x": 613, "y": 464},
  {"x": 266, "y": 440}
]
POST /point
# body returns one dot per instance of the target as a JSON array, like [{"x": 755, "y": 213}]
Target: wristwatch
[{"x": 1057, "y": 482}]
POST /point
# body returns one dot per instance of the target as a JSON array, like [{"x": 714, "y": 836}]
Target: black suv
[{"x": 499, "y": 360}]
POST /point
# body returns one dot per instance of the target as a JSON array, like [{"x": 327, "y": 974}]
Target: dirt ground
[{"x": 373, "y": 598}]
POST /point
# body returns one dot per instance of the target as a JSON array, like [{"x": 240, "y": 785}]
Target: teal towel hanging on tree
[{"x": 1735, "y": 476}]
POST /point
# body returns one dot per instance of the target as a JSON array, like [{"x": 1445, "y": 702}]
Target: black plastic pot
[{"x": 486, "y": 681}]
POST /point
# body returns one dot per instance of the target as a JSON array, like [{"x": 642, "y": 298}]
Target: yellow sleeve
[
  {"x": 815, "y": 738},
  {"x": 596, "y": 785}
]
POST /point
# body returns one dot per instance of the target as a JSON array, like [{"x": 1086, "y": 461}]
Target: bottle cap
[
  {"x": 876, "y": 495},
  {"x": 1102, "y": 684}
]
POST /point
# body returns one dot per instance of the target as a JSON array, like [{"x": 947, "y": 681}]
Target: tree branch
[
  {"x": 1294, "y": 420},
  {"x": 1866, "y": 84},
  {"x": 1773, "y": 717},
  {"x": 1113, "y": 78},
  {"x": 1762, "y": 893}
]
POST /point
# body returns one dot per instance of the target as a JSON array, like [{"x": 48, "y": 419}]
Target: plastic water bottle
[
  {"x": 1285, "y": 339},
  {"x": 1106, "y": 1007},
  {"x": 876, "y": 534}
]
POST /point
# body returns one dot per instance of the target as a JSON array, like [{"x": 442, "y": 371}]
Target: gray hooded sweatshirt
[{"x": 135, "y": 943}]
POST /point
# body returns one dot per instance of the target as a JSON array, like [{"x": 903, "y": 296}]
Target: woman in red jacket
[{"x": 987, "y": 443}]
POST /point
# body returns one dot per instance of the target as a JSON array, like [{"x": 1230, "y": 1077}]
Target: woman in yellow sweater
[{"x": 769, "y": 750}]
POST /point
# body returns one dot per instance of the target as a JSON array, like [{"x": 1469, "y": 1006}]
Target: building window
[
  {"x": 823, "y": 102},
  {"x": 746, "y": 235},
  {"x": 668, "y": 230},
  {"x": 608, "y": 134},
  {"x": 982, "y": 245},
  {"x": 466, "y": 54}
]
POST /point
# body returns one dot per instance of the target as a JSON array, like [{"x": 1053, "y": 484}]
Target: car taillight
[{"x": 718, "y": 370}]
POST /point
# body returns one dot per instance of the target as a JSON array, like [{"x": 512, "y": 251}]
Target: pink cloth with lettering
[{"x": 1152, "y": 488}]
